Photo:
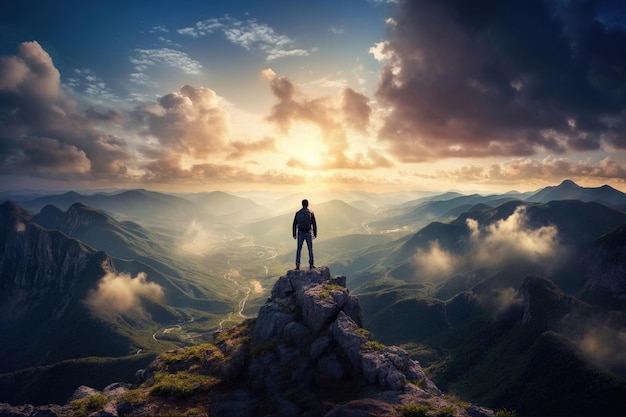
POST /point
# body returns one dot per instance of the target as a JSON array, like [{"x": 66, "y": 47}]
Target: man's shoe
[
  {"x": 311, "y": 266},
  {"x": 297, "y": 267}
]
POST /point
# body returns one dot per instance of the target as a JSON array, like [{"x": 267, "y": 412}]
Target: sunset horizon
[{"x": 369, "y": 95}]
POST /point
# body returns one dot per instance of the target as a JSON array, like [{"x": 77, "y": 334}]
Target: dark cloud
[
  {"x": 356, "y": 110},
  {"x": 502, "y": 78},
  {"x": 41, "y": 134}
]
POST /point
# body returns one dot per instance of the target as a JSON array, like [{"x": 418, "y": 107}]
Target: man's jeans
[{"x": 302, "y": 237}]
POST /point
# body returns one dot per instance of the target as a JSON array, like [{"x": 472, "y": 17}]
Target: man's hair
[{"x": 305, "y": 203}]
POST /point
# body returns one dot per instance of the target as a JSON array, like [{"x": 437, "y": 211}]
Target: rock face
[
  {"x": 309, "y": 350},
  {"x": 306, "y": 354}
]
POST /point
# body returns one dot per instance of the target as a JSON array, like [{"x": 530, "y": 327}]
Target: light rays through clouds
[{"x": 460, "y": 94}]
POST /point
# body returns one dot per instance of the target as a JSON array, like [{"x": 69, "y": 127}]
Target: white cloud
[
  {"x": 379, "y": 51},
  {"x": 499, "y": 245},
  {"x": 435, "y": 263},
  {"x": 143, "y": 59},
  {"x": 249, "y": 34},
  {"x": 121, "y": 294},
  {"x": 510, "y": 240}
]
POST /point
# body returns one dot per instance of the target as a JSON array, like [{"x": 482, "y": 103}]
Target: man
[{"x": 306, "y": 227}]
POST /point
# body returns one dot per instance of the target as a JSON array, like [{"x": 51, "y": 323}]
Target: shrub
[
  {"x": 84, "y": 406},
  {"x": 185, "y": 354},
  {"x": 506, "y": 413},
  {"x": 445, "y": 411},
  {"x": 334, "y": 287},
  {"x": 363, "y": 333},
  {"x": 181, "y": 384},
  {"x": 132, "y": 396},
  {"x": 372, "y": 346},
  {"x": 192, "y": 412},
  {"x": 414, "y": 410}
]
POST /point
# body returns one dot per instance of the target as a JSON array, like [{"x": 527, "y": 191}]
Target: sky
[{"x": 376, "y": 95}]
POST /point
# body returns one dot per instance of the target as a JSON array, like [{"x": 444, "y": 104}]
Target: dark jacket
[{"x": 295, "y": 228}]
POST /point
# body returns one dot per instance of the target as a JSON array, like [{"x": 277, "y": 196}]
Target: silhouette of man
[{"x": 306, "y": 227}]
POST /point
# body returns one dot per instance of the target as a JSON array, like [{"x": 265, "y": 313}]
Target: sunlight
[{"x": 305, "y": 147}]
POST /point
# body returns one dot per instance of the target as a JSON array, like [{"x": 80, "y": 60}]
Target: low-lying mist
[
  {"x": 504, "y": 244},
  {"x": 121, "y": 293}
]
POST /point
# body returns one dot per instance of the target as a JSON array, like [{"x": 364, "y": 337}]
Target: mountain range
[{"x": 510, "y": 301}]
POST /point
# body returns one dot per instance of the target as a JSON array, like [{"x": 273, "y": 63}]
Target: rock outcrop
[{"x": 306, "y": 354}]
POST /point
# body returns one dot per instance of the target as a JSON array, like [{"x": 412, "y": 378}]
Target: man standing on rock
[{"x": 306, "y": 227}]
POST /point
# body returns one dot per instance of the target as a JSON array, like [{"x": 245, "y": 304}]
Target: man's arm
[
  {"x": 293, "y": 226},
  {"x": 314, "y": 224}
]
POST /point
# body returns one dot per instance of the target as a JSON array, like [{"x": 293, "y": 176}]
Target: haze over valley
[{"x": 124, "y": 275}]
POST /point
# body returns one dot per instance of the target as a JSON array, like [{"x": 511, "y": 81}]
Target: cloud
[
  {"x": 548, "y": 169},
  {"x": 181, "y": 137},
  {"x": 90, "y": 86},
  {"x": 356, "y": 110},
  {"x": 335, "y": 117},
  {"x": 144, "y": 59},
  {"x": 511, "y": 242},
  {"x": 188, "y": 122},
  {"x": 48, "y": 156},
  {"x": 435, "y": 263},
  {"x": 473, "y": 81},
  {"x": 604, "y": 345},
  {"x": 192, "y": 125},
  {"x": 241, "y": 149},
  {"x": 249, "y": 34},
  {"x": 200, "y": 240},
  {"x": 122, "y": 294},
  {"x": 505, "y": 243},
  {"x": 41, "y": 134},
  {"x": 31, "y": 73},
  {"x": 257, "y": 287}
]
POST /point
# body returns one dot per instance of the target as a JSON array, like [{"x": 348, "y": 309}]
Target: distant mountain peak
[
  {"x": 10, "y": 208},
  {"x": 569, "y": 190}
]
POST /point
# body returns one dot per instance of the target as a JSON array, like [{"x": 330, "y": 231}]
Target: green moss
[
  {"x": 132, "y": 396},
  {"x": 414, "y": 410},
  {"x": 87, "y": 405},
  {"x": 506, "y": 413},
  {"x": 372, "y": 346},
  {"x": 445, "y": 411},
  {"x": 334, "y": 287},
  {"x": 363, "y": 333},
  {"x": 192, "y": 412},
  {"x": 192, "y": 353},
  {"x": 181, "y": 384}
]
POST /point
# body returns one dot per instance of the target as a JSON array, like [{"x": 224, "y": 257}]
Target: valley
[{"x": 479, "y": 289}]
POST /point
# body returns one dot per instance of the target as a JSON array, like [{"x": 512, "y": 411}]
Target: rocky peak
[{"x": 312, "y": 331}]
